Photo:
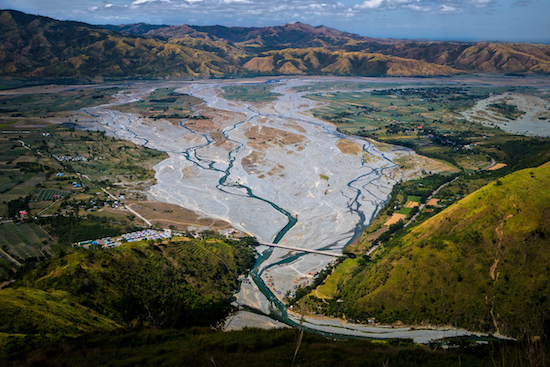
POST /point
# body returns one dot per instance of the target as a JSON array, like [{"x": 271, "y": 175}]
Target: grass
[
  {"x": 249, "y": 347},
  {"x": 340, "y": 274},
  {"x": 35, "y": 311},
  {"x": 415, "y": 199},
  {"x": 405, "y": 211}
]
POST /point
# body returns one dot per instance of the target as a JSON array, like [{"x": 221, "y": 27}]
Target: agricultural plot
[
  {"x": 12, "y": 154},
  {"x": 426, "y": 119},
  {"x": 40, "y": 104},
  {"x": 14, "y": 179},
  {"x": 404, "y": 211},
  {"x": 336, "y": 86},
  {"x": 22, "y": 241},
  {"x": 41, "y": 195}
]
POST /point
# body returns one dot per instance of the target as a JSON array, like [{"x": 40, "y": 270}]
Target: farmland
[
  {"x": 428, "y": 120},
  {"x": 53, "y": 169},
  {"x": 24, "y": 241}
]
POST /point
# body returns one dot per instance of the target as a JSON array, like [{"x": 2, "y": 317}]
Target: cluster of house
[
  {"x": 110, "y": 242},
  {"x": 70, "y": 158}
]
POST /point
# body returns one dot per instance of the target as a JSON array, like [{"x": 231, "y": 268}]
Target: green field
[
  {"x": 40, "y": 104},
  {"x": 22, "y": 241},
  {"x": 426, "y": 119},
  {"x": 41, "y": 195},
  {"x": 405, "y": 211},
  {"x": 415, "y": 199},
  {"x": 340, "y": 274}
]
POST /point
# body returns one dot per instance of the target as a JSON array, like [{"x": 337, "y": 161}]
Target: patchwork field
[{"x": 23, "y": 241}]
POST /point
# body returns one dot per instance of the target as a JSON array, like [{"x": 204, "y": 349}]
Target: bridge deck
[{"x": 301, "y": 249}]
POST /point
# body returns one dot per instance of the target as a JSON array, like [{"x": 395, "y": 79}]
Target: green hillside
[
  {"x": 185, "y": 282},
  {"x": 482, "y": 264},
  {"x": 33, "y": 311},
  {"x": 181, "y": 283}
]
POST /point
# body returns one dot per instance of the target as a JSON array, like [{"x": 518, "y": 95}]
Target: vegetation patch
[
  {"x": 511, "y": 112},
  {"x": 177, "y": 283},
  {"x": 250, "y": 93},
  {"x": 164, "y": 103}
]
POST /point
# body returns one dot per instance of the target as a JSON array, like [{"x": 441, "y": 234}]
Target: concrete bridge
[{"x": 301, "y": 249}]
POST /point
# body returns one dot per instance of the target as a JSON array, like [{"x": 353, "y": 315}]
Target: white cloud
[
  {"x": 448, "y": 9},
  {"x": 370, "y": 4},
  {"x": 480, "y": 3},
  {"x": 139, "y": 2},
  {"x": 418, "y": 8}
]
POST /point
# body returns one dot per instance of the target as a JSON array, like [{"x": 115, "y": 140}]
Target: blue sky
[{"x": 468, "y": 20}]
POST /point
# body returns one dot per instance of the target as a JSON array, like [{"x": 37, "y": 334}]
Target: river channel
[{"x": 276, "y": 172}]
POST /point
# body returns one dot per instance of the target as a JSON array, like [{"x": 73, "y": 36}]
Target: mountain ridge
[{"x": 36, "y": 46}]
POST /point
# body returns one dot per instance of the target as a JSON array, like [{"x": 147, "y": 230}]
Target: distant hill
[
  {"x": 35, "y": 46},
  {"x": 32, "y": 46},
  {"x": 482, "y": 264}
]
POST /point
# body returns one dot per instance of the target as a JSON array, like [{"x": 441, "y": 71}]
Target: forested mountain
[{"x": 35, "y": 46}]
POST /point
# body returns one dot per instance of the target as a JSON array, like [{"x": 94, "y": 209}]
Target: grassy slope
[
  {"x": 27, "y": 310},
  {"x": 481, "y": 264}
]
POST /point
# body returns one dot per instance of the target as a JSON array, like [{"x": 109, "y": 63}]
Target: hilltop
[{"x": 36, "y": 46}]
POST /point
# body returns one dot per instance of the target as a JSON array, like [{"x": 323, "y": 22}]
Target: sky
[{"x": 460, "y": 20}]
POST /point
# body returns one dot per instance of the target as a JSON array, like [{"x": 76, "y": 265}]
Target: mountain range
[{"x": 36, "y": 46}]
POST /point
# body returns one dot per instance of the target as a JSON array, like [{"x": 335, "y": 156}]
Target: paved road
[{"x": 301, "y": 249}]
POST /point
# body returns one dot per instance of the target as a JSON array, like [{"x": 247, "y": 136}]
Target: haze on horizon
[{"x": 460, "y": 20}]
